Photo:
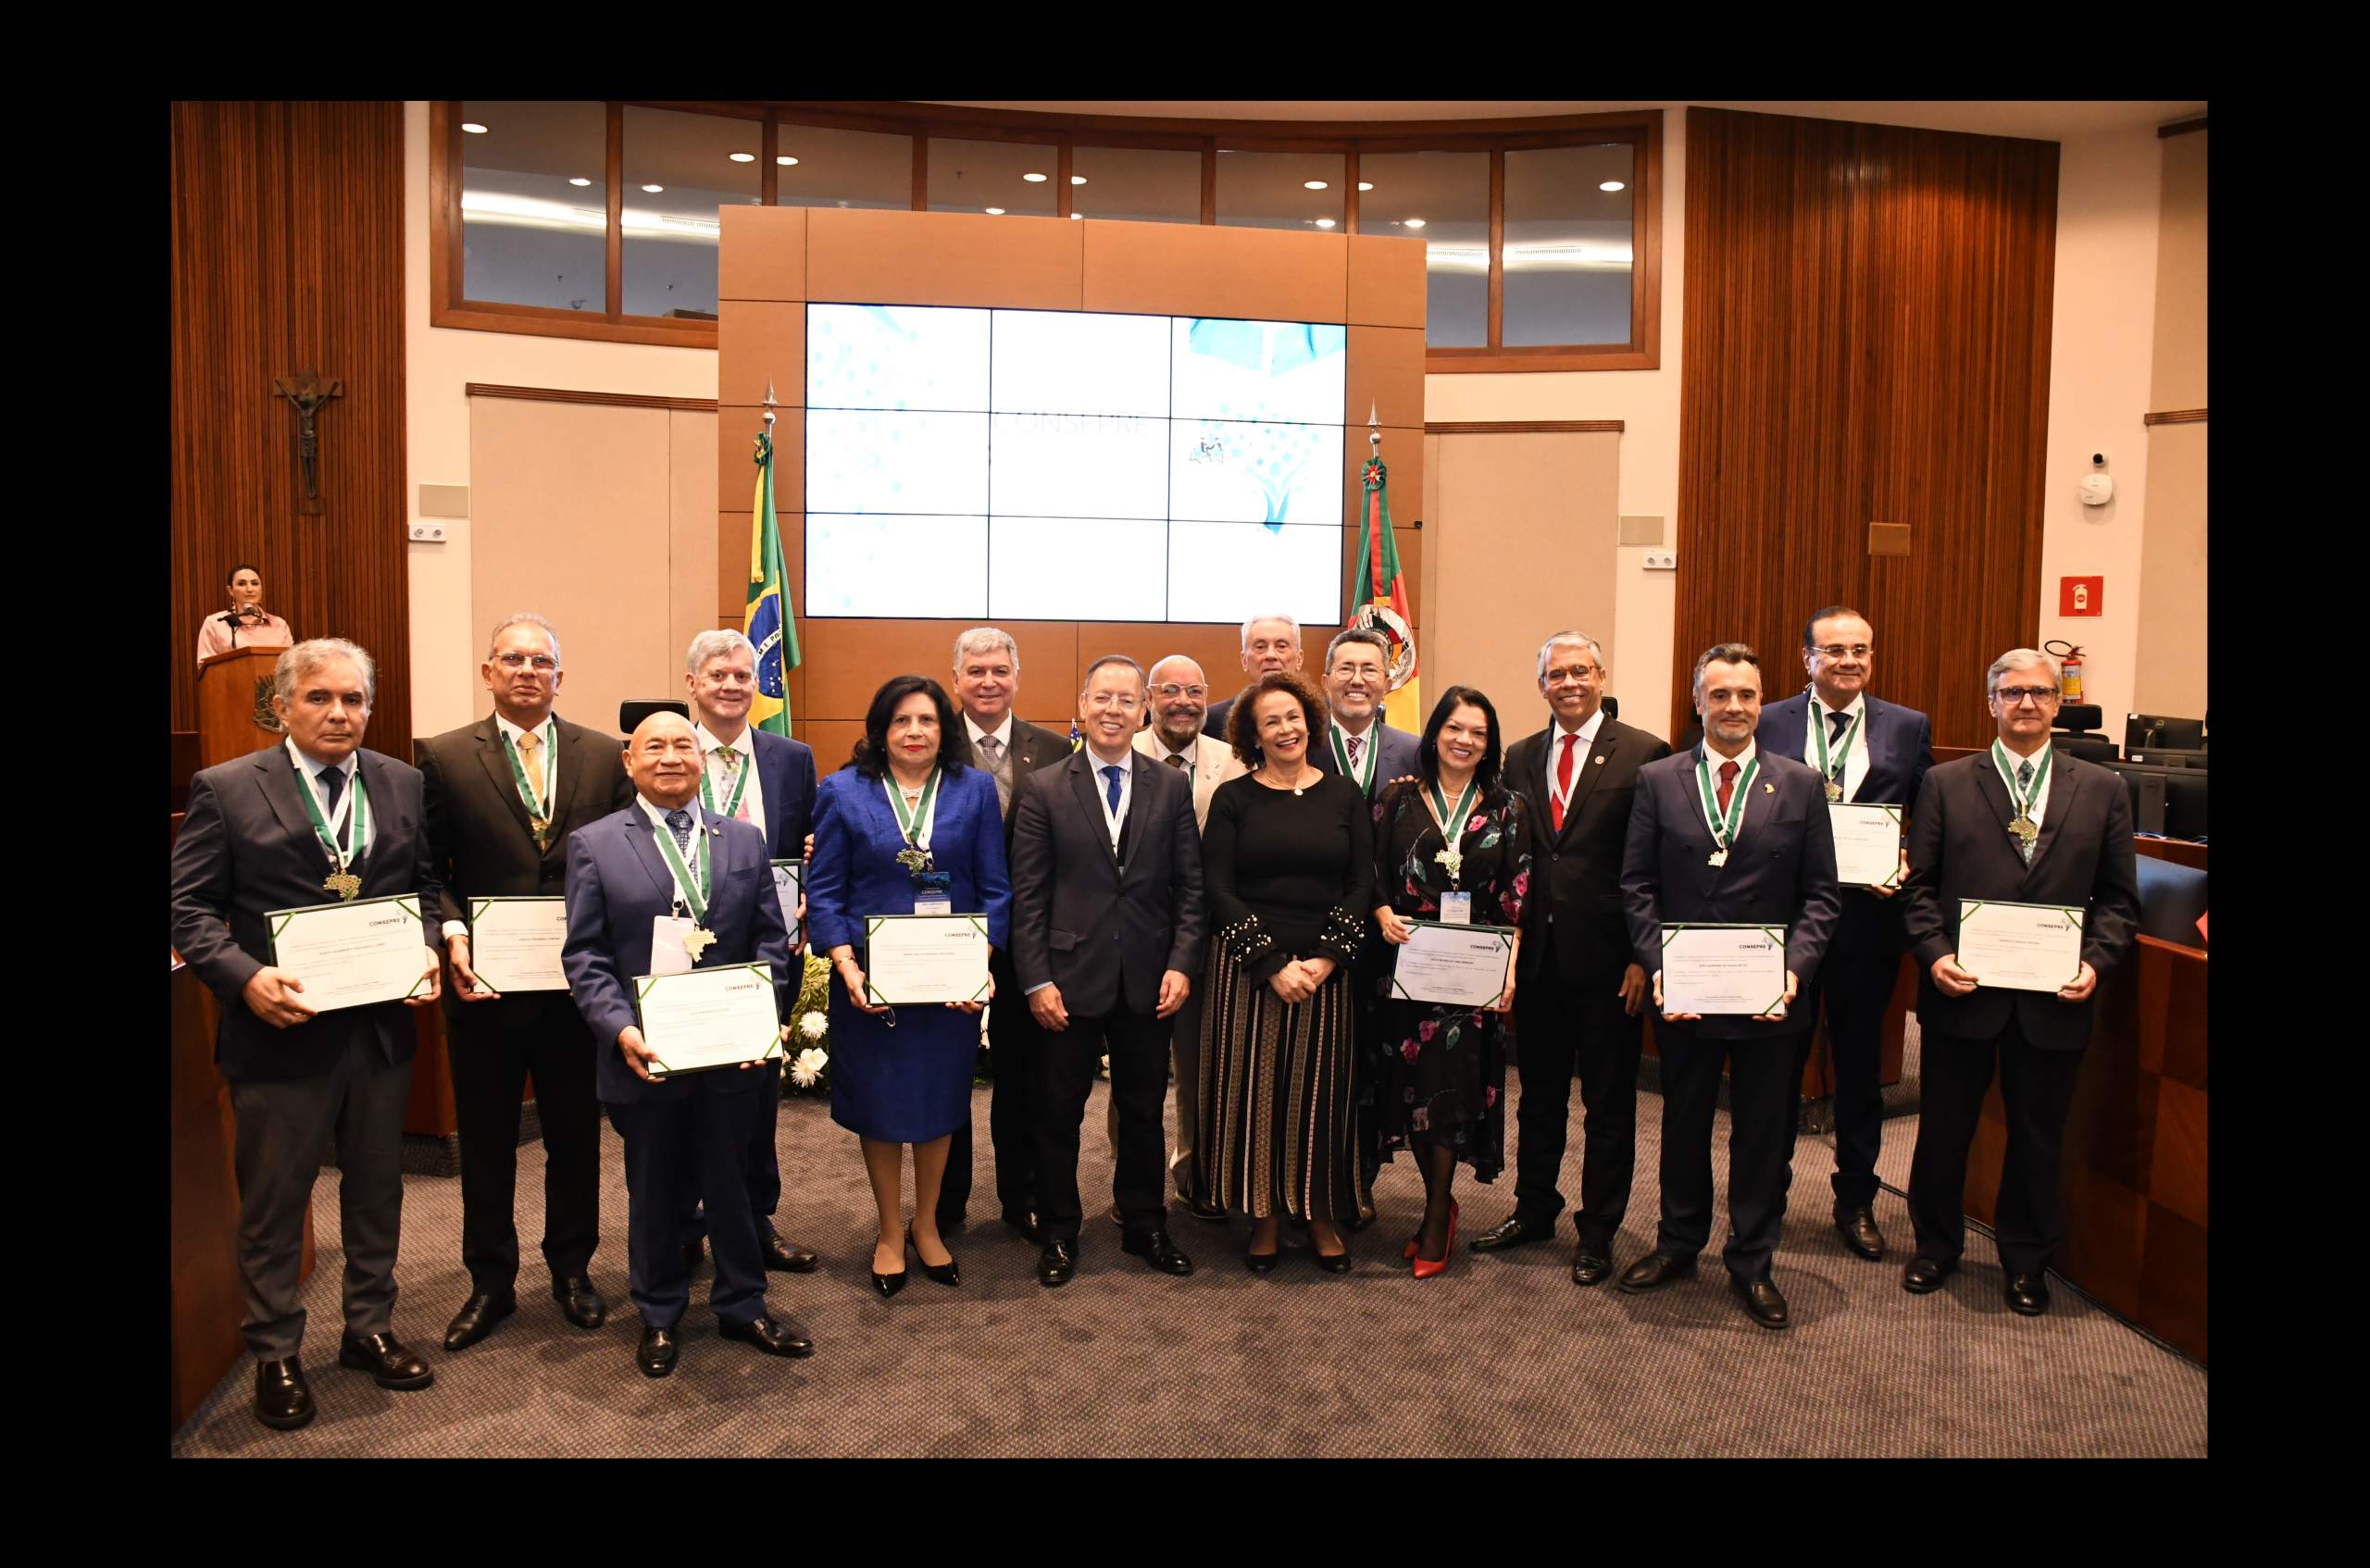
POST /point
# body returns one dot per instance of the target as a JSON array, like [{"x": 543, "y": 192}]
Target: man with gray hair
[
  {"x": 1270, "y": 643},
  {"x": 315, "y": 820},
  {"x": 2018, "y": 823},
  {"x": 501, "y": 796}
]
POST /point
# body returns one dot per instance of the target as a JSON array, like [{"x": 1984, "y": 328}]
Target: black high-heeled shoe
[
  {"x": 888, "y": 1284},
  {"x": 1339, "y": 1262},
  {"x": 1263, "y": 1263},
  {"x": 947, "y": 1273}
]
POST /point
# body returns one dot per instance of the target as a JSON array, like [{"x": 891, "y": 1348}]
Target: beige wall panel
[
  {"x": 759, "y": 339},
  {"x": 847, "y": 660},
  {"x": 944, "y": 258},
  {"x": 2177, "y": 377},
  {"x": 1427, "y": 595},
  {"x": 763, "y": 255},
  {"x": 736, "y": 461},
  {"x": 690, "y": 527},
  {"x": 1386, "y": 281},
  {"x": 1386, "y": 375},
  {"x": 1175, "y": 270},
  {"x": 732, "y": 563},
  {"x": 833, "y": 739},
  {"x": 571, "y": 504},
  {"x": 1217, "y": 649},
  {"x": 2169, "y": 675}
]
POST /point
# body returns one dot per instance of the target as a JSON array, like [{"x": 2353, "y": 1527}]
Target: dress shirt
[
  {"x": 547, "y": 736},
  {"x": 2016, "y": 790},
  {"x": 313, "y": 768},
  {"x": 1003, "y": 733},
  {"x": 1114, "y": 819},
  {"x": 1362, "y": 774},
  {"x": 1586, "y": 734},
  {"x": 1855, "y": 766},
  {"x": 744, "y": 743},
  {"x": 1713, "y": 760}
]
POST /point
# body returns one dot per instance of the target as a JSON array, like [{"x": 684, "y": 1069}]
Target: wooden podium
[{"x": 229, "y": 700}]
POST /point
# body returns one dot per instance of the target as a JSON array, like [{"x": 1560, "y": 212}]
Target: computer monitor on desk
[
  {"x": 2161, "y": 757},
  {"x": 2147, "y": 732},
  {"x": 2170, "y": 801}
]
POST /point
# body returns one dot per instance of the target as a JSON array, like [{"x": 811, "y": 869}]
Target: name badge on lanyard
[
  {"x": 1456, "y": 909},
  {"x": 932, "y": 901}
]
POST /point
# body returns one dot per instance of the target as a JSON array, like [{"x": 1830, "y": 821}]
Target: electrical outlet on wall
[
  {"x": 1661, "y": 560},
  {"x": 428, "y": 533}
]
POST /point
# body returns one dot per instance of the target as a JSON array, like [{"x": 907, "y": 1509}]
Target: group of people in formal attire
[{"x": 1208, "y": 895}]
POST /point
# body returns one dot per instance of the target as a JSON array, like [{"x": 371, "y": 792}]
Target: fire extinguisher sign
[{"x": 2081, "y": 595}]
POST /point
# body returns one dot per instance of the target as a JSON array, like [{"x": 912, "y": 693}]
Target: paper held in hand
[
  {"x": 706, "y": 1018},
  {"x": 1454, "y": 966},
  {"x": 789, "y": 877},
  {"x": 1717, "y": 970},
  {"x": 1867, "y": 844},
  {"x": 515, "y": 943},
  {"x": 352, "y": 954},
  {"x": 910, "y": 959},
  {"x": 2023, "y": 947}
]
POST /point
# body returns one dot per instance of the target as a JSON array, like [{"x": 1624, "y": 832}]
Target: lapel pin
[
  {"x": 1600, "y": 762},
  {"x": 1769, "y": 789}
]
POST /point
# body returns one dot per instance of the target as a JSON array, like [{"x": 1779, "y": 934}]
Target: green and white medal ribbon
[
  {"x": 1342, "y": 755},
  {"x": 2026, "y": 829},
  {"x": 1724, "y": 830},
  {"x": 1833, "y": 773},
  {"x": 740, "y": 785},
  {"x": 1452, "y": 824},
  {"x": 917, "y": 824},
  {"x": 694, "y": 888},
  {"x": 538, "y": 815},
  {"x": 350, "y": 822}
]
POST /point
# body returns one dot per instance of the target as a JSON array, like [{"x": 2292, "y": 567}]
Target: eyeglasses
[
  {"x": 1122, "y": 701},
  {"x": 1171, "y": 692},
  {"x": 1568, "y": 676},
  {"x": 544, "y": 664},
  {"x": 2041, "y": 696},
  {"x": 1838, "y": 650}
]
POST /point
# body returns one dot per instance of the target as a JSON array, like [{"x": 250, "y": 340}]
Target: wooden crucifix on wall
[{"x": 307, "y": 393}]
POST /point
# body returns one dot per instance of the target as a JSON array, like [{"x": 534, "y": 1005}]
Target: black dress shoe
[
  {"x": 655, "y": 1355},
  {"x": 579, "y": 1302},
  {"x": 1155, "y": 1248},
  {"x": 1858, "y": 1228},
  {"x": 948, "y": 1273},
  {"x": 385, "y": 1360},
  {"x": 477, "y": 1317},
  {"x": 1924, "y": 1275},
  {"x": 2027, "y": 1294},
  {"x": 1057, "y": 1264},
  {"x": 1653, "y": 1271},
  {"x": 1026, "y": 1222},
  {"x": 1513, "y": 1231},
  {"x": 1261, "y": 1262},
  {"x": 1338, "y": 1263},
  {"x": 782, "y": 1339},
  {"x": 1762, "y": 1302},
  {"x": 1203, "y": 1209},
  {"x": 888, "y": 1284},
  {"x": 282, "y": 1399},
  {"x": 785, "y": 1257},
  {"x": 1590, "y": 1267}
]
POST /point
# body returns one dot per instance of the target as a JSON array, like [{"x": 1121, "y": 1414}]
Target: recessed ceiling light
[
  {"x": 580, "y": 180},
  {"x": 1034, "y": 178},
  {"x": 785, "y": 160},
  {"x": 745, "y": 157},
  {"x": 1311, "y": 184},
  {"x": 1077, "y": 215},
  {"x": 1365, "y": 184},
  {"x": 1415, "y": 223},
  {"x": 995, "y": 212},
  {"x": 653, "y": 190},
  {"x": 1612, "y": 185},
  {"x": 1325, "y": 223},
  {"x": 1078, "y": 179},
  {"x": 473, "y": 127}
]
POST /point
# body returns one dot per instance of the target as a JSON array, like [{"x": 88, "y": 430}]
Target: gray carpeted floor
[{"x": 1499, "y": 1356}]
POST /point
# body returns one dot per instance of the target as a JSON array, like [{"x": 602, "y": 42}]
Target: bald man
[{"x": 639, "y": 882}]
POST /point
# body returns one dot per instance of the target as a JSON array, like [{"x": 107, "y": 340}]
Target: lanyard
[
  {"x": 1724, "y": 830},
  {"x": 1342, "y": 755},
  {"x": 353, "y": 811},
  {"x": 924, "y": 816},
  {"x": 538, "y": 809},
  {"x": 1452, "y": 824},
  {"x": 1842, "y": 748},
  {"x": 694, "y": 888},
  {"x": 2022, "y": 799},
  {"x": 740, "y": 785}
]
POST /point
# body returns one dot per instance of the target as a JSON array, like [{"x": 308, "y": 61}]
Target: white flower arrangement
[
  {"x": 814, "y": 1025},
  {"x": 807, "y": 1069}
]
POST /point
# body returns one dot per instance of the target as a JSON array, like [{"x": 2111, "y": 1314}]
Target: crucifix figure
[{"x": 307, "y": 395}]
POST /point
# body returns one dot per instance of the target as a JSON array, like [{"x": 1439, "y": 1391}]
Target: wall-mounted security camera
[{"x": 2097, "y": 489}]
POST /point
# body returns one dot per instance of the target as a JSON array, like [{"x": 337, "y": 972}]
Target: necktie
[
  {"x": 994, "y": 749},
  {"x": 1728, "y": 786},
  {"x": 1111, "y": 785},
  {"x": 680, "y": 821},
  {"x": 732, "y": 767},
  {"x": 1353, "y": 753},
  {"x": 1175, "y": 759},
  {"x": 2023, "y": 782},
  {"x": 531, "y": 746},
  {"x": 1563, "y": 782},
  {"x": 1835, "y": 722},
  {"x": 333, "y": 784}
]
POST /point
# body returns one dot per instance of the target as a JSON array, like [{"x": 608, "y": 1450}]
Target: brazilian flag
[{"x": 771, "y": 623}]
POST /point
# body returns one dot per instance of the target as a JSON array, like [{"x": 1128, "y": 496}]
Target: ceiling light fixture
[
  {"x": 473, "y": 127},
  {"x": 1415, "y": 223},
  {"x": 1325, "y": 223},
  {"x": 1034, "y": 178},
  {"x": 1311, "y": 184},
  {"x": 785, "y": 160},
  {"x": 580, "y": 180},
  {"x": 1612, "y": 185},
  {"x": 1077, "y": 215},
  {"x": 653, "y": 190},
  {"x": 745, "y": 157},
  {"x": 995, "y": 212},
  {"x": 1365, "y": 184},
  {"x": 1078, "y": 179}
]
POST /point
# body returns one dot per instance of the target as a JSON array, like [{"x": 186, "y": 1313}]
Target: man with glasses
[
  {"x": 1270, "y": 643},
  {"x": 501, "y": 797},
  {"x": 1871, "y": 752},
  {"x": 1579, "y": 994},
  {"x": 2023, "y": 822}
]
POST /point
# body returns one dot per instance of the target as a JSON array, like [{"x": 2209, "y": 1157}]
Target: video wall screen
[{"x": 1035, "y": 464}]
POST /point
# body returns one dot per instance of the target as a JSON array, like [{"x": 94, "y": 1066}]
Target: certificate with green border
[
  {"x": 1452, "y": 965},
  {"x": 1868, "y": 843},
  {"x": 2022, "y": 947},
  {"x": 515, "y": 942},
  {"x": 352, "y": 954},
  {"x": 1721, "y": 970},
  {"x": 913, "y": 959},
  {"x": 702, "y": 1019}
]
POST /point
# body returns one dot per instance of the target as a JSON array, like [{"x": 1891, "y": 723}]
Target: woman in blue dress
[{"x": 907, "y": 826}]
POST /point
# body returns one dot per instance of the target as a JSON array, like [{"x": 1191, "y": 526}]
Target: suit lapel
[
  {"x": 1590, "y": 765},
  {"x": 642, "y": 835},
  {"x": 1090, "y": 800},
  {"x": 497, "y": 764},
  {"x": 574, "y": 766},
  {"x": 1995, "y": 800},
  {"x": 2063, "y": 790},
  {"x": 280, "y": 787},
  {"x": 380, "y": 797}
]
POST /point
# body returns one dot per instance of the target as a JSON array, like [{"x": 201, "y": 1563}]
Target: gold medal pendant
[
  {"x": 695, "y": 942},
  {"x": 2026, "y": 829},
  {"x": 1719, "y": 857},
  {"x": 1834, "y": 790},
  {"x": 345, "y": 884}
]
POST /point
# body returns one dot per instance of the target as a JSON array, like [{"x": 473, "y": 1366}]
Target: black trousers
[
  {"x": 2037, "y": 1088},
  {"x": 494, "y": 1046},
  {"x": 1137, "y": 1046},
  {"x": 1855, "y": 986},
  {"x": 764, "y": 1174},
  {"x": 1013, "y": 1037},
  {"x": 1560, "y": 1023},
  {"x": 1761, "y": 1142},
  {"x": 686, "y": 1142}
]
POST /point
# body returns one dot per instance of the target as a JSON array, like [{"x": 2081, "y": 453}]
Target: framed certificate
[
  {"x": 1720, "y": 969},
  {"x": 708, "y": 1018},
  {"x": 918, "y": 958},
  {"x": 354, "y": 954},
  {"x": 789, "y": 881},
  {"x": 1454, "y": 966},
  {"x": 1867, "y": 844},
  {"x": 2023, "y": 947},
  {"x": 515, "y": 942}
]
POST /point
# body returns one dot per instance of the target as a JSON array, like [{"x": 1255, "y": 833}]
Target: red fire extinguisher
[{"x": 2069, "y": 684}]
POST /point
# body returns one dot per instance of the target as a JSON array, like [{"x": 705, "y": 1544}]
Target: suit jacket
[
  {"x": 1899, "y": 746},
  {"x": 1032, "y": 747},
  {"x": 618, "y": 883},
  {"x": 1214, "y": 717},
  {"x": 246, "y": 848},
  {"x": 478, "y": 831},
  {"x": 1576, "y": 874},
  {"x": 786, "y": 774},
  {"x": 1780, "y": 871},
  {"x": 1397, "y": 754},
  {"x": 856, "y": 872},
  {"x": 1960, "y": 848},
  {"x": 1214, "y": 764}
]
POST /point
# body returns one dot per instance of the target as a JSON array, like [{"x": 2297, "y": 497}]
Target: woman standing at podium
[{"x": 246, "y": 623}]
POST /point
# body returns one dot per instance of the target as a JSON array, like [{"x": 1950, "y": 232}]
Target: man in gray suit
[{"x": 313, "y": 820}]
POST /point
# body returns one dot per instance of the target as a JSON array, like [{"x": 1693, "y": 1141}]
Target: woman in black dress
[
  {"x": 1451, "y": 845},
  {"x": 1288, "y": 860}
]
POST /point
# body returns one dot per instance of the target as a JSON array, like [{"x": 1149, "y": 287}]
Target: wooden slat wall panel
[
  {"x": 1867, "y": 327},
  {"x": 288, "y": 246}
]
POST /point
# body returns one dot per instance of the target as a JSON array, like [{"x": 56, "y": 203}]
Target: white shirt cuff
[{"x": 456, "y": 928}]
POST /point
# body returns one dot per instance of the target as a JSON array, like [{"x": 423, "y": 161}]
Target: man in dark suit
[
  {"x": 1269, "y": 643},
  {"x": 766, "y": 780},
  {"x": 501, "y": 796},
  {"x": 987, "y": 681},
  {"x": 1728, "y": 834},
  {"x": 2024, "y": 822},
  {"x": 1579, "y": 993},
  {"x": 305, "y": 823},
  {"x": 639, "y": 906},
  {"x": 1870, "y": 753},
  {"x": 1105, "y": 842}
]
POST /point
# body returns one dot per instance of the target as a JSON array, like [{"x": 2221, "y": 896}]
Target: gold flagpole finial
[
  {"x": 1374, "y": 429},
  {"x": 770, "y": 402}
]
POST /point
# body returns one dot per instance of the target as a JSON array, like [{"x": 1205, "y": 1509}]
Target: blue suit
[
  {"x": 911, "y": 1083},
  {"x": 684, "y": 1135},
  {"x": 1856, "y": 981}
]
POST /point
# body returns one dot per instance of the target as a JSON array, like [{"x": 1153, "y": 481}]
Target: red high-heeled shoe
[{"x": 1425, "y": 1269}]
